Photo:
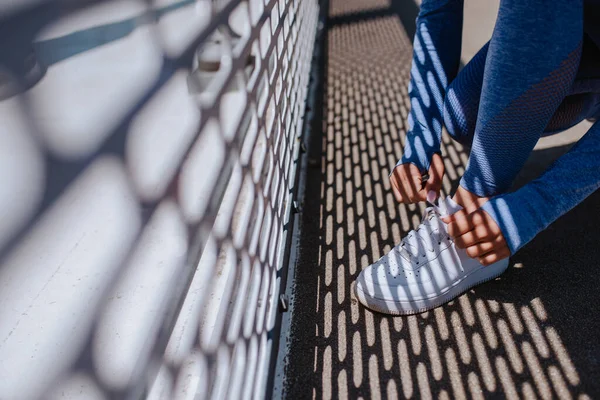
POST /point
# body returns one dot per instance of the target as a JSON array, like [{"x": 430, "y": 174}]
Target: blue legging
[
  {"x": 461, "y": 104},
  {"x": 530, "y": 79}
]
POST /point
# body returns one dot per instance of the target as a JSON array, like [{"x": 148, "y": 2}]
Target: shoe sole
[{"x": 476, "y": 278}]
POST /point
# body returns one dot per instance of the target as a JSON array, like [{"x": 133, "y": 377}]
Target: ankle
[{"x": 469, "y": 201}]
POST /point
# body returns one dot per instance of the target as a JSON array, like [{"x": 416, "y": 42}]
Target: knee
[
  {"x": 460, "y": 115},
  {"x": 454, "y": 118}
]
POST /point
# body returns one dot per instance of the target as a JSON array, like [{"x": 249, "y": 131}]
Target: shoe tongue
[{"x": 447, "y": 206}]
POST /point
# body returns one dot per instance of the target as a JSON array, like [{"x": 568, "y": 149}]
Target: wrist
[
  {"x": 421, "y": 160},
  {"x": 468, "y": 200}
]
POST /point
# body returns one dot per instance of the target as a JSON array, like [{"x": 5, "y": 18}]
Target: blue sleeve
[
  {"x": 436, "y": 57},
  {"x": 523, "y": 214}
]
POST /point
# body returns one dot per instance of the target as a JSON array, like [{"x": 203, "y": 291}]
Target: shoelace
[{"x": 417, "y": 239}]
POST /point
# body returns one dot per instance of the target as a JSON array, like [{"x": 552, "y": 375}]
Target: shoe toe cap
[
  {"x": 377, "y": 281},
  {"x": 397, "y": 285}
]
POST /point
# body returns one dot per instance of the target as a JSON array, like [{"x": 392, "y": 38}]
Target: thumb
[
  {"x": 457, "y": 215},
  {"x": 416, "y": 181},
  {"x": 436, "y": 174}
]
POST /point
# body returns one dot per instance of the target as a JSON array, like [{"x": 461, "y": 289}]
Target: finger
[
  {"x": 407, "y": 188},
  {"x": 416, "y": 180},
  {"x": 457, "y": 215},
  {"x": 493, "y": 257},
  {"x": 479, "y": 249},
  {"x": 462, "y": 222},
  {"x": 480, "y": 234},
  {"x": 402, "y": 185},
  {"x": 436, "y": 174},
  {"x": 419, "y": 185},
  {"x": 458, "y": 223},
  {"x": 432, "y": 186},
  {"x": 397, "y": 184},
  {"x": 421, "y": 195},
  {"x": 395, "y": 190}
]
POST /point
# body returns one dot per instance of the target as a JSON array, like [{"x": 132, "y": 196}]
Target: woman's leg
[
  {"x": 462, "y": 104},
  {"x": 462, "y": 99},
  {"x": 530, "y": 68},
  {"x": 573, "y": 110}
]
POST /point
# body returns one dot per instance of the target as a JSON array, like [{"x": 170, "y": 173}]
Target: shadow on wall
[
  {"x": 26, "y": 59},
  {"x": 529, "y": 333},
  {"x": 54, "y": 50}
]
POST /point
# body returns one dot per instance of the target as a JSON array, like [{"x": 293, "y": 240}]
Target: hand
[
  {"x": 479, "y": 234},
  {"x": 407, "y": 185}
]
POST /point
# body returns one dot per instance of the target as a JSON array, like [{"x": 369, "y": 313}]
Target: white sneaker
[{"x": 424, "y": 271}]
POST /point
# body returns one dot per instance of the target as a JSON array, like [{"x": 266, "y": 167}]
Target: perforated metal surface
[
  {"x": 147, "y": 160},
  {"x": 337, "y": 8}
]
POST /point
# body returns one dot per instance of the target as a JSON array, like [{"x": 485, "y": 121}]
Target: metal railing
[{"x": 147, "y": 164}]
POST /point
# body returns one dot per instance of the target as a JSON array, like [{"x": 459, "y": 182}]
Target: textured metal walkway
[{"x": 532, "y": 333}]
